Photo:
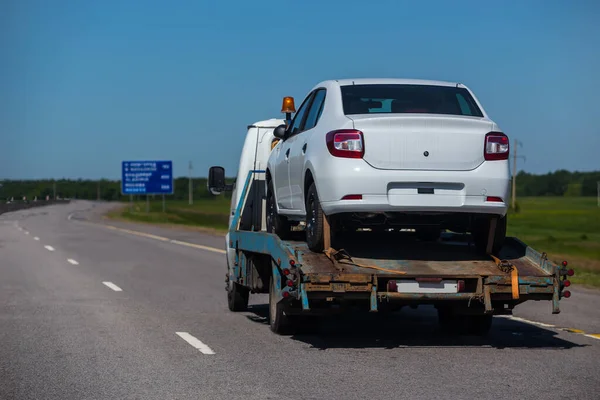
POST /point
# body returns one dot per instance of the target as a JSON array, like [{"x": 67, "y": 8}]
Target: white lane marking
[
  {"x": 527, "y": 321},
  {"x": 49, "y": 248},
  {"x": 70, "y": 216},
  {"x": 113, "y": 286},
  {"x": 70, "y": 260},
  {"x": 198, "y": 246},
  {"x": 593, "y": 336},
  {"x": 19, "y": 228},
  {"x": 165, "y": 239},
  {"x": 204, "y": 349},
  {"x": 27, "y": 233},
  {"x": 36, "y": 238}
]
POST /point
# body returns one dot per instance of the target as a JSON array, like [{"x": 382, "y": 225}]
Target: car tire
[
  {"x": 276, "y": 223},
  {"x": 481, "y": 235},
  {"x": 314, "y": 221}
]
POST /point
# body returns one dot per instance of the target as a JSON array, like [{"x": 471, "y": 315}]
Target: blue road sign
[{"x": 147, "y": 177}]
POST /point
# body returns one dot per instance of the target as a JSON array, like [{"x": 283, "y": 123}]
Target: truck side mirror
[
  {"x": 216, "y": 180},
  {"x": 279, "y": 132}
]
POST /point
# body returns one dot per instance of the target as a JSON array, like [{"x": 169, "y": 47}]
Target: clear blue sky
[{"x": 86, "y": 84}]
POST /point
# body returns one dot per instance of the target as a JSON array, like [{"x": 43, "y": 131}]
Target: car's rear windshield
[{"x": 408, "y": 98}]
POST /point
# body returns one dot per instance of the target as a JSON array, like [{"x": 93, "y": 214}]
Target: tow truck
[{"x": 376, "y": 272}]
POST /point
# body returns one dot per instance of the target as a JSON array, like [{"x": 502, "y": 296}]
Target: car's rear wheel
[
  {"x": 314, "y": 221},
  {"x": 481, "y": 235},
  {"x": 276, "y": 223}
]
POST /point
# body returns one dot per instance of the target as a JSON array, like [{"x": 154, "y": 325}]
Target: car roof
[{"x": 388, "y": 81}]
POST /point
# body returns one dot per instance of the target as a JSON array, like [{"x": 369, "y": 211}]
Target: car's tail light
[
  {"x": 352, "y": 197},
  {"x": 346, "y": 143},
  {"x": 494, "y": 199},
  {"x": 496, "y": 146}
]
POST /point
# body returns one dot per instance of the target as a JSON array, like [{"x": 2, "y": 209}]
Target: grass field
[{"x": 567, "y": 228}]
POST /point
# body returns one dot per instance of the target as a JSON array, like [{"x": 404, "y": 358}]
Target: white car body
[{"x": 412, "y": 162}]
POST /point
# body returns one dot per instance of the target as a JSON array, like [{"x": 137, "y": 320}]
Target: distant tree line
[
  {"x": 104, "y": 189},
  {"x": 558, "y": 183}
]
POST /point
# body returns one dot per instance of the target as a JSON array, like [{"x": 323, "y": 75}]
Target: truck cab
[{"x": 257, "y": 147}]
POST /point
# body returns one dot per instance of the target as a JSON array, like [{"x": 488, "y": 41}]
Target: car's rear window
[{"x": 406, "y": 98}]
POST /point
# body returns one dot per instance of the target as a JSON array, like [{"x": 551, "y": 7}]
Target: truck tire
[
  {"x": 314, "y": 220},
  {"x": 481, "y": 235},
  {"x": 278, "y": 321},
  {"x": 237, "y": 297},
  {"x": 276, "y": 223}
]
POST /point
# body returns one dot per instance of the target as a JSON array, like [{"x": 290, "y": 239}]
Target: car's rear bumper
[{"x": 399, "y": 191}]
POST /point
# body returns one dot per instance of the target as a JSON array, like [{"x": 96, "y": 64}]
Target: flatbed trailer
[{"x": 383, "y": 272}]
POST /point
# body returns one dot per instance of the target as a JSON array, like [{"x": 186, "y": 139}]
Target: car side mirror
[
  {"x": 216, "y": 181},
  {"x": 280, "y": 131}
]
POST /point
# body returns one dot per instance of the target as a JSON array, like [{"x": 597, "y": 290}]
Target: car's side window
[
  {"x": 316, "y": 109},
  {"x": 298, "y": 122},
  {"x": 464, "y": 105}
]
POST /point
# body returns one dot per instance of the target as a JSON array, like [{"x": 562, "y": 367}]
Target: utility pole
[
  {"x": 514, "y": 177},
  {"x": 191, "y": 197}
]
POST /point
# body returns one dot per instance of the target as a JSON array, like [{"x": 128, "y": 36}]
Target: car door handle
[
  {"x": 304, "y": 148},
  {"x": 287, "y": 153}
]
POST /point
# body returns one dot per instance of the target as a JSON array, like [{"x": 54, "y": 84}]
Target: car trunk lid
[{"x": 423, "y": 142}]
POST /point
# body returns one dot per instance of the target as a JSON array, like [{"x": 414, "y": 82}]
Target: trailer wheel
[
  {"x": 481, "y": 235},
  {"x": 278, "y": 321},
  {"x": 314, "y": 221},
  {"x": 237, "y": 297},
  {"x": 479, "y": 325},
  {"x": 276, "y": 223}
]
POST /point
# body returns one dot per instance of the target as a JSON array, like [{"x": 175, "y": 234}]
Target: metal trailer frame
[{"x": 301, "y": 276}]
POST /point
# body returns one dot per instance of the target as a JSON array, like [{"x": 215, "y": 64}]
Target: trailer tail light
[
  {"x": 352, "y": 197},
  {"x": 286, "y": 271},
  {"x": 566, "y": 294},
  {"x": 570, "y": 272},
  {"x": 290, "y": 283},
  {"x": 496, "y": 146},
  {"x": 392, "y": 286},
  {"x": 460, "y": 286},
  {"x": 567, "y": 283},
  {"x": 346, "y": 143}
]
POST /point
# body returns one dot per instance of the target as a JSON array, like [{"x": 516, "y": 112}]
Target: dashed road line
[
  {"x": 26, "y": 232},
  {"x": 49, "y": 248},
  {"x": 71, "y": 261},
  {"x": 204, "y": 349},
  {"x": 36, "y": 238},
  {"x": 113, "y": 286}
]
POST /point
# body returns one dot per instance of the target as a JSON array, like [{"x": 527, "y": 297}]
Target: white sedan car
[{"x": 390, "y": 153}]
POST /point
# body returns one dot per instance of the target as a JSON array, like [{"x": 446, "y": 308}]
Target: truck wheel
[
  {"x": 481, "y": 235},
  {"x": 237, "y": 297},
  {"x": 314, "y": 221},
  {"x": 275, "y": 223},
  {"x": 278, "y": 321}
]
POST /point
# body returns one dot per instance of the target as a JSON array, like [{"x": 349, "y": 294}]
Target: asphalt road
[{"x": 166, "y": 332}]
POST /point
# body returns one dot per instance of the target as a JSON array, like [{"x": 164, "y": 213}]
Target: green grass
[
  {"x": 208, "y": 213},
  {"x": 567, "y": 228}
]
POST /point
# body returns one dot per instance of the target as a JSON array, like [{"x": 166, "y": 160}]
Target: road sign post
[{"x": 147, "y": 178}]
